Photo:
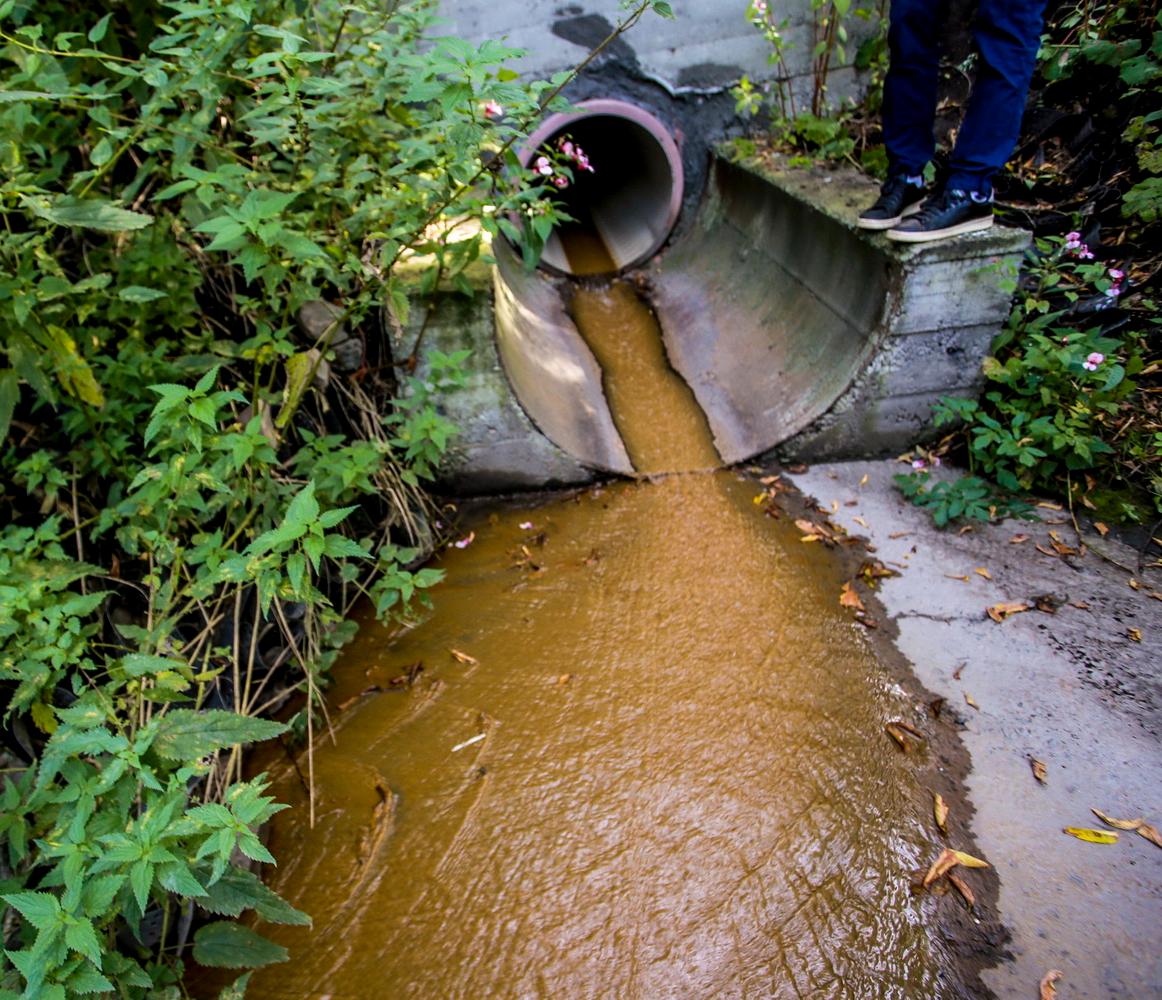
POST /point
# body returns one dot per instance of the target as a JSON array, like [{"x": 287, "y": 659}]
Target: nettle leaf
[
  {"x": 145, "y": 665},
  {"x": 184, "y": 734},
  {"x": 41, "y": 909},
  {"x": 92, "y": 213},
  {"x": 82, "y": 937},
  {"x": 226, "y": 945},
  {"x": 239, "y": 890},
  {"x": 139, "y": 293},
  {"x": 303, "y": 509}
]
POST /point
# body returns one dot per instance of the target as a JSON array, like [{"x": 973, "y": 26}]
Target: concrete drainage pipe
[{"x": 633, "y": 197}]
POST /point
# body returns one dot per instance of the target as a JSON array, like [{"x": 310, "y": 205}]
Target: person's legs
[
  {"x": 914, "y": 41},
  {"x": 1007, "y": 34},
  {"x": 914, "y": 29}
]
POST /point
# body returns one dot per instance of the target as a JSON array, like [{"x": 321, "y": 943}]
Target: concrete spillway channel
[{"x": 796, "y": 331}]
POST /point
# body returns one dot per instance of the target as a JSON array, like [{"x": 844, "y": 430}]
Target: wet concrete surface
[{"x": 1072, "y": 689}]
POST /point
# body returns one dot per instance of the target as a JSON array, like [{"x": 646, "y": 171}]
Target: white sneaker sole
[
  {"x": 888, "y": 223},
  {"x": 926, "y": 236}
]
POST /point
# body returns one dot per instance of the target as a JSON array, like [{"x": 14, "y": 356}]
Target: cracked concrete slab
[{"x": 1072, "y": 689}]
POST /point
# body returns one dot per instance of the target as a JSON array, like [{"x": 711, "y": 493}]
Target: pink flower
[
  {"x": 1113, "y": 292},
  {"x": 543, "y": 166},
  {"x": 1084, "y": 252},
  {"x": 1074, "y": 237},
  {"x": 1090, "y": 364},
  {"x": 492, "y": 110},
  {"x": 918, "y": 463},
  {"x": 936, "y": 460},
  {"x": 1116, "y": 274},
  {"x": 561, "y": 182},
  {"x": 567, "y": 148}
]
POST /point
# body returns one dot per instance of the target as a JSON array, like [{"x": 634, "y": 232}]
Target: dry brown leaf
[
  {"x": 1134, "y": 584},
  {"x": 848, "y": 598},
  {"x": 999, "y": 612},
  {"x": 966, "y": 529},
  {"x": 956, "y": 673},
  {"x": 1044, "y": 551},
  {"x": 1039, "y": 771},
  {"x": 1048, "y": 505},
  {"x": 1135, "y": 634},
  {"x": 969, "y": 700},
  {"x": 900, "y": 731},
  {"x": 1118, "y": 824},
  {"x": 1018, "y": 539},
  {"x": 981, "y": 571},
  {"x": 969, "y": 861},
  {"x": 1048, "y": 990},
  {"x": 1081, "y": 605},
  {"x": 1101, "y": 528},
  {"x": 464, "y": 657},
  {"x": 1150, "y": 832},
  {"x": 1156, "y": 594},
  {"x": 940, "y": 812},
  {"x": 962, "y": 579},
  {"x": 941, "y": 866},
  {"x": 899, "y": 534},
  {"x": 962, "y": 888},
  {"x": 1048, "y": 603}
]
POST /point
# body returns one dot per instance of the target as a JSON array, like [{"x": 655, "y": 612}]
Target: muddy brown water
[{"x": 657, "y": 770}]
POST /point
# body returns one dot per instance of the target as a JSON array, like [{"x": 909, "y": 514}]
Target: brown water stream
[{"x": 662, "y": 773}]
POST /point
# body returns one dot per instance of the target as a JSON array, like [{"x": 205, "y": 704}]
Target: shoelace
[{"x": 945, "y": 200}]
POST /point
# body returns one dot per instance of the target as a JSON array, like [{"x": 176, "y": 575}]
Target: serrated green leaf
[
  {"x": 82, "y": 937},
  {"x": 92, "y": 213},
  {"x": 139, "y": 293},
  {"x": 184, "y": 734},
  {"x": 146, "y": 665},
  {"x": 227, "y": 945},
  {"x": 40, "y": 909}
]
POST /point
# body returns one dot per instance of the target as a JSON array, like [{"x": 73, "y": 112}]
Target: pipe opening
[{"x": 631, "y": 200}]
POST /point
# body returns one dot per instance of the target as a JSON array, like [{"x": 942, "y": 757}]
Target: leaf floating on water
[
  {"x": 1091, "y": 836},
  {"x": 464, "y": 657},
  {"x": 999, "y": 612},
  {"x": 861, "y": 521},
  {"x": 963, "y": 889},
  {"x": 1080, "y": 605},
  {"x": 969, "y": 700},
  {"x": 1151, "y": 833},
  {"x": 1135, "y": 634},
  {"x": 962, "y": 579},
  {"x": 1048, "y": 990},
  {"x": 1038, "y": 770},
  {"x": 981, "y": 571},
  {"x": 900, "y": 731},
  {"x": 1018, "y": 539},
  {"x": 940, "y": 812},
  {"x": 969, "y": 861},
  {"x": 941, "y": 866},
  {"x": 1134, "y": 584},
  {"x": 863, "y": 482},
  {"x": 848, "y": 598}
]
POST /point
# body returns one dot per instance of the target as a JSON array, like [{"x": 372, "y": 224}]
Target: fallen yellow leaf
[
  {"x": 962, "y": 579},
  {"x": 900, "y": 731},
  {"x": 1048, "y": 990},
  {"x": 1135, "y": 634},
  {"x": 999, "y": 612},
  {"x": 969, "y": 861},
  {"x": 941, "y": 866},
  {"x": 464, "y": 657},
  {"x": 863, "y": 482},
  {"x": 860, "y": 521},
  {"x": 848, "y": 598},
  {"x": 1101, "y": 528},
  {"x": 1091, "y": 836},
  {"x": 981, "y": 571},
  {"x": 1134, "y": 584},
  {"x": 940, "y": 812},
  {"x": 969, "y": 700},
  {"x": 1151, "y": 833},
  {"x": 1038, "y": 770}
]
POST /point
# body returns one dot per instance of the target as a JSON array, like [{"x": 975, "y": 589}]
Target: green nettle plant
[
  {"x": 199, "y": 483},
  {"x": 1061, "y": 417}
]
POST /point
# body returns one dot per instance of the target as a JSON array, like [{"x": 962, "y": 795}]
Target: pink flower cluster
[
  {"x": 1090, "y": 364},
  {"x": 573, "y": 153},
  {"x": 1116, "y": 276},
  {"x": 919, "y": 463},
  {"x": 1076, "y": 247},
  {"x": 492, "y": 109}
]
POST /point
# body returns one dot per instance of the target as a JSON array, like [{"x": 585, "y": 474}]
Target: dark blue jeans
[{"x": 1007, "y": 34}]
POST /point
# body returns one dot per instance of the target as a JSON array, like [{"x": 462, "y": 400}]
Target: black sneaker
[
  {"x": 898, "y": 199},
  {"x": 949, "y": 213}
]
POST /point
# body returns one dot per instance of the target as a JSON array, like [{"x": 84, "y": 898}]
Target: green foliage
[
  {"x": 196, "y": 492},
  {"x": 1063, "y": 387},
  {"x": 966, "y": 498}
]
